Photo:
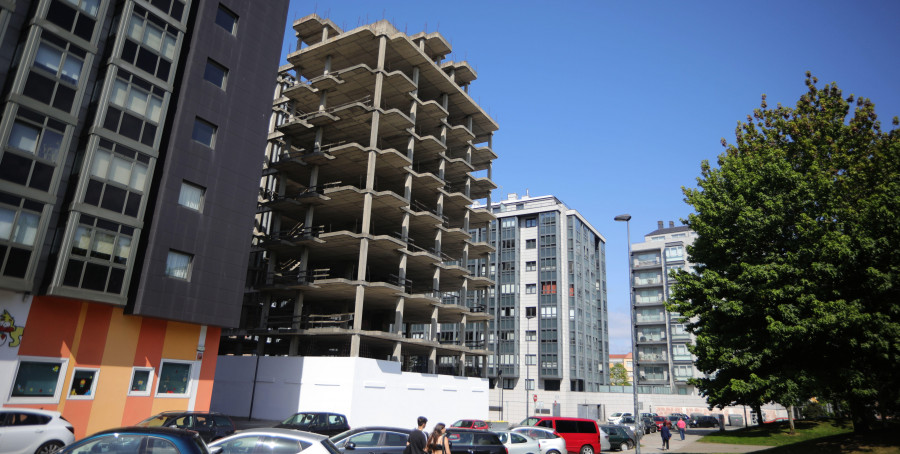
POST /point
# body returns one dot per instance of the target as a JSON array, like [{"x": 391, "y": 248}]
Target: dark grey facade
[{"x": 104, "y": 173}]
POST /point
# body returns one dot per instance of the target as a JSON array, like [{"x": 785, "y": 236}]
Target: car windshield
[
  {"x": 341, "y": 436},
  {"x": 301, "y": 418},
  {"x": 462, "y": 423},
  {"x": 536, "y": 433},
  {"x": 616, "y": 415},
  {"x": 529, "y": 421},
  {"x": 154, "y": 421}
]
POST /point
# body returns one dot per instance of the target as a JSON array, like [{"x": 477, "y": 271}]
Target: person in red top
[{"x": 681, "y": 425}]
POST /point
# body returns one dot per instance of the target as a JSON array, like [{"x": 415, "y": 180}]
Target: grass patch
[
  {"x": 880, "y": 441},
  {"x": 778, "y": 434}
]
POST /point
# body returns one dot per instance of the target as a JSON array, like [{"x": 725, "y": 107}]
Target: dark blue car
[{"x": 138, "y": 440}]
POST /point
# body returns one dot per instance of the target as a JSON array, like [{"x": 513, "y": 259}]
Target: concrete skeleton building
[
  {"x": 663, "y": 361},
  {"x": 550, "y": 332},
  {"x": 376, "y": 155},
  {"x": 126, "y": 133}
]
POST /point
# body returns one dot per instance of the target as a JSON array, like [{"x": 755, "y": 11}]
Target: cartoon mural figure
[{"x": 9, "y": 332}]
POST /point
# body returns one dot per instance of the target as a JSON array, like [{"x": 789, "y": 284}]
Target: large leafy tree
[
  {"x": 795, "y": 293},
  {"x": 618, "y": 375}
]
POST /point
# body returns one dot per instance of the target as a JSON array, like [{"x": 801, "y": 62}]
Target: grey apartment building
[
  {"x": 127, "y": 131},
  {"x": 376, "y": 156},
  {"x": 663, "y": 361},
  {"x": 550, "y": 332}
]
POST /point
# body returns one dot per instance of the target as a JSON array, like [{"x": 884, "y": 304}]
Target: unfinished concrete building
[{"x": 376, "y": 154}]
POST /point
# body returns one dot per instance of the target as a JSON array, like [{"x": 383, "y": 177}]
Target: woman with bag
[{"x": 666, "y": 434}]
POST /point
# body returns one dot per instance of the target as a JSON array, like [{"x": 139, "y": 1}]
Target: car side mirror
[{"x": 350, "y": 446}]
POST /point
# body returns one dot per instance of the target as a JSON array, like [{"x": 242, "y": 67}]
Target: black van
[{"x": 472, "y": 441}]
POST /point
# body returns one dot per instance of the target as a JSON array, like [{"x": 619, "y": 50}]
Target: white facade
[{"x": 367, "y": 391}]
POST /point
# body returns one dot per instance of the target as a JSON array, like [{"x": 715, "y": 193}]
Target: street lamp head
[{"x": 623, "y": 217}]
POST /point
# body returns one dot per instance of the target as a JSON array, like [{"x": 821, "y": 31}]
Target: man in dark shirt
[{"x": 415, "y": 444}]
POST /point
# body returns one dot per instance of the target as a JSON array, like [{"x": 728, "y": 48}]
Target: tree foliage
[
  {"x": 618, "y": 375},
  {"x": 795, "y": 291}
]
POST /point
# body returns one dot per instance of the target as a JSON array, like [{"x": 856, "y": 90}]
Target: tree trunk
[
  {"x": 861, "y": 417},
  {"x": 757, "y": 408},
  {"x": 791, "y": 417}
]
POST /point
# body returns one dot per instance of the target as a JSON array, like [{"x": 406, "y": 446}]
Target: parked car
[
  {"x": 649, "y": 425},
  {"x": 210, "y": 425},
  {"x": 549, "y": 441},
  {"x": 135, "y": 439},
  {"x": 620, "y": 437},
  {"x": 706, "y": 421},
  {"x": 471, "y": 441},
  {"x": 581, "y": 435},
  {"x": 616, "y": 418},
  {"x": 471, "y": 424},
  {"x": 378, "y": 440},
  {"x": 648, "y": 415},
  {"x": 518, "y": 443},
  {"x": 275, "y": 441},
  {"x": 27, "y": 431},
  {"x": 687, "y": 419},
  {"x": 659, "y": 420},
  {"x": 316, "y": 422}
]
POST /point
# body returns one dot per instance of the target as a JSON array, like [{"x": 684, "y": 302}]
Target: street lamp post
[
  {"x": 634, "y": 365},
  {"x": 500, "y": 382},
  {"x": 527, "y": 353}
]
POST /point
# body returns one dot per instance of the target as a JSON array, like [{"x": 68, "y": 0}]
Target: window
[
  {"x": 118, "y": 178},
  {"x": 531, "y": 244},
  {"x": 141, "y": 379},
  {"x": 204, "y": 132},
  {"x": 530, "y": 360},
  {"x": 34, "y": 144},
  {"x": 531, "y": 266},
  {"x": 57, "y": 69},
  {"x": 151, "y": 43},
  {"x": 531, "y": 289},
  {"x": 19, "y": 219},
  {"x": 191, "y": 196},
  {"x": 530, "y": 312},
  {"x": 674, "y": 253},
  {"x": 174, "y": 379},
  {"x": 84, "y": 384},
  {"x": 531, "y": 335},
  {"x": 135, "y": 109},
  {"x": 227, "y": 20},
  {"x": 178, "y": 265},
  {"x": 531, "y": 222},
  {"x": 37, "y": 380},
  {"x": 99, "y": 255},
  {"x": 548, "y": 288},
  {"x": 529, "y": 384},
  {"x": 175, "y": 8},
  {"x": 75, "y": 16},
  {"x": 215, "y": 74}
]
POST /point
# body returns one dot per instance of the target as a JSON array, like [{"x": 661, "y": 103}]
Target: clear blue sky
[{"x": 612, "y": 105}]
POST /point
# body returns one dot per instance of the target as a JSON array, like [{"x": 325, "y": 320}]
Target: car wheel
[
  {"x": 553, "y": 452},
  {"x": 587, "y": 449},
  {"x": 629, "y": 445},
  {"x": 49, "y": 447}
]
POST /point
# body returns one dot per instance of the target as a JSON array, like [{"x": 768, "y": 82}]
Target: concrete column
[
  {"x": 433, "y": 335},
  {"x": 323, "y": 97},
  {"x": 324, "y": 34},
  {"x": 398, "y": 352},
  {"x": 317, "y": 144},
  {"x": 398, "y": 316},
  {"x": 327, "y": 65},
  {"x": 263, "y": 321},
  {"x": 298, "y": 311},
  {"x": 432, "y": 361}
]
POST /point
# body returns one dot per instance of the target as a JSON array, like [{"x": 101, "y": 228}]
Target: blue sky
[{"x": 612, "y": 105}]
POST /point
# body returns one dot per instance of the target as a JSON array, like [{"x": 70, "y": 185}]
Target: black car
[
  {"x": 649, "y": 425},
  {"x": 706, "y": 421},
  {"x": 317, "y": 422},
  {"x": 377, "y": 440},
  {"x": 472, "y": 441},
  {"x": 210, "y": 425},
  {"x": 620, "y": 437}
]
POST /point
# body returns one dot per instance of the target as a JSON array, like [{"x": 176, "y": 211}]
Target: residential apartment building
[
  {"x": 550, "y": 333},
  {"x": 376, "y": 155},
  {"x": 663, "y": 361},
  {"x": 125, "y": 199}
]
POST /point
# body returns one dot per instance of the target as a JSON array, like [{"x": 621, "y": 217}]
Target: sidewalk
[{"x": 652, "y": 443}]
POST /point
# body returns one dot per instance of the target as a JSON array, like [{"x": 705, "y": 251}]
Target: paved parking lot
[{"x": 652, "y": 443}]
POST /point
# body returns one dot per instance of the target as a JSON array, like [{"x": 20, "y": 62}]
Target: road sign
[{"x": 535, "y": 398}]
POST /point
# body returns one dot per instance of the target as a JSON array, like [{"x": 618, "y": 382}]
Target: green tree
[
  {"x": 618, "y": 375},
  {"x": 795, "y": 291}
]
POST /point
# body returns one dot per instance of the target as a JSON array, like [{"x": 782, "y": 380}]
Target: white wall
[{"x": 367, "y": 391}]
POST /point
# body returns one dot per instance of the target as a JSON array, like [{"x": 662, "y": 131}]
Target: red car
[
  {"x": 476, "y": 424},
  {"x": 659, "y": 420}
]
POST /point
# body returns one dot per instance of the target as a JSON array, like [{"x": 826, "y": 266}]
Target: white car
[
  {"x": 517, "y": 443},
  {"x": 29, "y": 431},
  {"x": 274, "y": 440},
  {"x": 616, "y": 418},
  {"x": 549, "y": 441}
]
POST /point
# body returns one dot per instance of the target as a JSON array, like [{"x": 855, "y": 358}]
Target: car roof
[
  {"x": 291, "y": 433},
  {"x": 32, "y": 410},
  {"x": 462, "y": 430},
  {"x": 188, "y": 412},
  {"x": 151, "y": 430},
  {"x": 366, "y": 428}
]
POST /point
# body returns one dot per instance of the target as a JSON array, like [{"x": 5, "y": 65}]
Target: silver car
[
  {"x": 275, "y": 441},
  {"x": 517, "y": 443},
  {"x": 31, "y": 431},
  {"x": 549, "y": 441}
]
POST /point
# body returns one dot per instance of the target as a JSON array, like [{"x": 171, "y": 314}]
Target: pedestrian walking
[
  {"x": 417, "y": 440},
  {"x": 681, "y": 426},
  {"x": 666, "y": 434},
  {"x": 437, "y": 442}
]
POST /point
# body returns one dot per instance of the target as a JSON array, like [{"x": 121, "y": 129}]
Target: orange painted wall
[{"x": 103, "y": 337}]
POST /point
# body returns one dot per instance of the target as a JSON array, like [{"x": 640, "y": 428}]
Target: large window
[
  {"x": 226, "y": 19},
  {"x": 135, "y": 109},
  {"x": 151, "y": 43},
  {"x": 34, "y": 148},
  {"x": 178, "y": 265},
  {"x": 530, "y": 244},
  {"x": 118, "y": 179},
  {"x": 38, "y": 380},
  {"x": 99, "y": 255},
  {"x": 174, "y": 379},
  {"x": 674, "y": 253},
  {"x": 57, "y": 69},
  {"x": 19, "y": 220},
  {"x": 175, "y": 8},
  {"x": 191, "y": 196},
  {"x": 75, "y": 16}
]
